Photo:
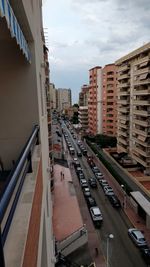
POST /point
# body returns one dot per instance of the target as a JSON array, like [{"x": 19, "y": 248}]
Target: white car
[
  {"x": 137, "y": 237},
  {"x": 96, "y": 215},
  {"x": 108, "y": 191},
  {"x": 83, "y": 183},
  {"x": 99, "y": 176}
]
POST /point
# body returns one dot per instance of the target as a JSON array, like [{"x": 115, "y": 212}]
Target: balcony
[
  {"x": 123, "y": 117},
  {"x": 15, "y": 30},
  {"x": 141, "y": 92},
  {"x": 123, "y": 101},
  {"x": 140, "y": 132},
  {"x": 142, "y": 60},
  {"x": 141, "y": 102},
  {"x": 142, "y": 82},
  {"x": 123, "y": 85},
  {"x": 125, "y": 134},
  {"x": 123, "y": 68},
  {"x": 123, "y": 76},
  {"x": 123, "y": 93},
  {"x": 19, "y": 202},
  {"x": 121, "y": 148},
  {"x": 138, "y": 159},
  {"x": 141, "y": 71},
  {"x": 124, "y": 110},
  {"x": 123, "y": 141},
  {"x": 141, "y": 112},
  {"x": 142, "y": 122}
]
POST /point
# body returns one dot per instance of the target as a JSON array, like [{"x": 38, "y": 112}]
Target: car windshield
[{"x": 142, "y": 239}]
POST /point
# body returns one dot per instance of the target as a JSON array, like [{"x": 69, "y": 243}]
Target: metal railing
[{"x": 16, "y": 179}]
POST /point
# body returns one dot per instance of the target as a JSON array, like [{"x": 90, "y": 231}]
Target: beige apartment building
[
  {"x": 83, "y": 107},
  {"x": 109, "y": 96},
  {"x": 134, "y": 106},
  {"x": 95, "y": 101},
  {"x": 64, "y": 99},
  {"x": 26, "y": 236},
  {"x": 53, "y": 96}
]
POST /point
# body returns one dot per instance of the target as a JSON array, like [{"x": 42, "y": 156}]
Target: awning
[
  {"x": 13, "y": 25},
  {"x": 143, "y": 76},
  {"x": 141, "y": 138},
  {"x": 142, "y": 201},
  {"x": 144, "y": 64}
]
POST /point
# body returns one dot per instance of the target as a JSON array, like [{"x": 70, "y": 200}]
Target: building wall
[
  {"x": 53, "y": 95},
  {"x": 64, "y": 99},
  {"x": 23, "y": 104},
  {"x": 134, "y": 106},
  {"x": 84, "y": 95},
  {"x": 109, "y": 113},
  {"x": 95, "y": 101}
]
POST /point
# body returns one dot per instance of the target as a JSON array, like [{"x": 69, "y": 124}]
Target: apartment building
[
  {"x": 26, "y": 234},
  {"x": 53, "y": 95},
  {"x": 134, "y": 106},
  {"x": 109, "y": 96},
  {"x": 83, "y": 95},
  {"x": 95, "y": 101},
  {"x": 64, "y": 99},
  {"x": 83, "y": 107}
]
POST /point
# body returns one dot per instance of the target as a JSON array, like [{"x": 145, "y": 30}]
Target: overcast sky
[{"x": 86, "y": 33}]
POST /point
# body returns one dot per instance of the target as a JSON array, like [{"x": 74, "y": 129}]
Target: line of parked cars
[
  {"x": 108, "y": 191},
  {"x": 94, "y": 210},
  {"x": 136, "y": 235}
]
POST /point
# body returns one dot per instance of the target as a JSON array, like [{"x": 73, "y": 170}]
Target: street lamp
[
  {"x": 109, "y": 237},
  {"x": 125, "y": 196}
]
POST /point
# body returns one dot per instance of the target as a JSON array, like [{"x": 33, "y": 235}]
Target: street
[{"x": 122, "y": 252}]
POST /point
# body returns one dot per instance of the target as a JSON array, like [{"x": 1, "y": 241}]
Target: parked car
[
  {"x": 81, "y": 175},
  {"x": 84, "y": 151},
  {"x": 114, "y": 201},
  {"x": 91, "y": 202},
  {"x": 83, "y": 183},
  {"x": 95, "y": 169},
  {"x": 92, "y": 182},
  {"x": 145, "y": 252},
  {"x": 103, "y": 183},
  {"x": 137, "y": 237},
  {"x": 108, "y": 190},
  {"x": 77, "y": 164},
  {"x": 79, "y": 170},
  {"x": 79, "y": 154},
  {"x": 86, "y": 192},
  {"x": 99, "y": 176},
  {"x": 96, "y": 216}
]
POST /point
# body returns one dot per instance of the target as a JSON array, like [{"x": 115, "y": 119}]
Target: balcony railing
[
  {"x": 13, "y": 25},
  {"x": 10, "y": 197}
]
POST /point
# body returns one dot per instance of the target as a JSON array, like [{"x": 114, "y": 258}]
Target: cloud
[{"x": 85, "y": 33}]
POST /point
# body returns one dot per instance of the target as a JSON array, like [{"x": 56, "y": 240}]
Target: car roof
[
  {"x": 137, "y": 232},
  {"x": 96, "y": 210}
]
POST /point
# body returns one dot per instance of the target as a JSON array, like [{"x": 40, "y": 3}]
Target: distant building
[
  {"x": 109, "y": 108},
  {"x": 53, "y": 96},
  {"x": 64, "y": 99},
  {"x": 133, "y": 135},
  {"x": 83, "y": 107},
  {"x": 95, "y": 101},
  {"x": 83, "y": 95}
]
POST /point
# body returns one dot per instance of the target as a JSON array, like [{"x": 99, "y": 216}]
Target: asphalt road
[{"x": 122, "y": 251}]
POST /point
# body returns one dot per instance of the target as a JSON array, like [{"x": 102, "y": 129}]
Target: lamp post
[
  {"x": 125, "y": 196},
  {"x": 109, "y": 237}
]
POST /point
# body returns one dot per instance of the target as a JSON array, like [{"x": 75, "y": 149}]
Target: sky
[{"x": 81, "y": 34}]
